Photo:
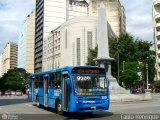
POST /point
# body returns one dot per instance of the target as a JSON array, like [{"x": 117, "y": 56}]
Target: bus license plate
[{"x": 93, "y": 107}]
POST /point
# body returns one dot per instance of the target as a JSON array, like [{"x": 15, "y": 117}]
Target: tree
[
  {"x": 92, "y": 55},
  {"x": 2, "y": 83},
  {"x": 130, "y": 50},
  {"x": 14, "y": 79},
  {"x": 129, "y": 76},
  {"x": 157, "y": 86}
]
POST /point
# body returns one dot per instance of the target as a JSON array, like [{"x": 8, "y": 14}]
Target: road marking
[{"x": 28, "y": 105}]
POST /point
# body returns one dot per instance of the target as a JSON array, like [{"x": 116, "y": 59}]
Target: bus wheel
[
  {"x": 58, "y": 108},
  {"x": 37, "y": 102},
  {"x": 89, "y": 113}
]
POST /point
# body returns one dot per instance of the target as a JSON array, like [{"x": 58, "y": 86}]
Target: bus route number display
[{"x": 87, "y": 71}]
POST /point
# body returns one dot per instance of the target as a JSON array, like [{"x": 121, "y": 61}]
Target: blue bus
[{"x": 71, "y": 89}]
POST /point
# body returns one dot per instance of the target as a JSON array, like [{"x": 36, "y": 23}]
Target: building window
[
  {"x": 89, "y": 39},
  {"x": 78, "y": 51}
]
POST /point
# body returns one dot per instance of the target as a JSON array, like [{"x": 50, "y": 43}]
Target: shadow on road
[
  {"x": 83, "y": 116},
  {"x": 79, "y": 116},
  {"x": 12, "y": 100},
  {"x": 70, "y": 116}
]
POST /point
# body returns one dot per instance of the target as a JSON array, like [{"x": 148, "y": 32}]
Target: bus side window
[
  {"x": 57, "y": 84},
  {"x": 51, "y": 81},
  {"x": 40, "y": 81},
  {"x": 36, "y": 83},
  {"x": 57, "y": 80}
]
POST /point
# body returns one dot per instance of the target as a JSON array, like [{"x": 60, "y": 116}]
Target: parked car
[
  {"x": 19, "y": 93},
  {"x": 8, "y": 92},
  {"x": 0, "y": 93},
  {"x": 13, "y": 92}
]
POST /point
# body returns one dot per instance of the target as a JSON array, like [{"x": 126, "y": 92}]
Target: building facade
[
  {"x": 9, "y": 57},
  {"x": 69, "y": 43},
  {"x": 156, "y": 25},
  {"x": 115, "y": 14},
  {"x": 26, "y": 44},
  {"x": 49, "y": 15}
]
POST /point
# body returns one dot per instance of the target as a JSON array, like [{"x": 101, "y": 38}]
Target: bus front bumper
[{"x": 80, "y": 107}]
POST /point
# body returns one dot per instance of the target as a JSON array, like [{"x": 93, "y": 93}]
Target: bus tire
[
  {"x": 59, "y": 108},
  {"x": 89, "y": 113},
  {"x": 37, "y": 102}
]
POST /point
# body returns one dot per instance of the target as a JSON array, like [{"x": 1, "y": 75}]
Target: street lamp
[{"x": 147, "y": 75}]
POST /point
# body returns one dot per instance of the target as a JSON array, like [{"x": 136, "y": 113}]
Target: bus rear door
[
  {"x": 65, "y": 90},
  {"x": 45, "y": 93}
]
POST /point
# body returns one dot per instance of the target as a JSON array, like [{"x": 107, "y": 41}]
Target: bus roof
[{"x": 62, "y": 69}]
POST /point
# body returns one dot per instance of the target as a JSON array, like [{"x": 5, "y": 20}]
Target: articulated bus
[{"x": 71, "y": 89}]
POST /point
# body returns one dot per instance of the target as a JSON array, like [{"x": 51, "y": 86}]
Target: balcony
[
  {"x": 157, "y": 16},
  {"x": 158, "y": 43},
  {"x": 157, "y": 25},
  {"x": 158, "y": 60},
  {"x": 158, "y": 51},
  {"x": 158, "y": 33},
  {"x": 156, "y": 2}
]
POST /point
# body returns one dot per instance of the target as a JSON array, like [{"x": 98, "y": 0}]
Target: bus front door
[
  {"x": 32, "y": 89},
  {"x": 65, "y": 92},
  {"x": 45, "y": 91}
]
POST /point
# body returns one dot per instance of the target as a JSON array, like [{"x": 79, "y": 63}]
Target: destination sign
[{"x": 88, "y": 71}]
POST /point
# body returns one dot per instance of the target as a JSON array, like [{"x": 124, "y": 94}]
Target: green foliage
[
  {"x": 92, "y": 55},
  {"x": 14, "y": 79},
  {"x": 129, "y": 49},
  {"x": 157, "y": 84},
  {"x": 129, "y": 75},
  {"x": 135, "y": 53}
]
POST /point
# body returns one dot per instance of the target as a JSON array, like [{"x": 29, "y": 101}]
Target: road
[{"x": 17, "y": 107}]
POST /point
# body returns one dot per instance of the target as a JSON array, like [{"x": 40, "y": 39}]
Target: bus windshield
[{"x": 90, "y": 85}]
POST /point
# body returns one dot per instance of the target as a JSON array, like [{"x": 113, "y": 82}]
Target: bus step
[{"x": 45, "y": 105}]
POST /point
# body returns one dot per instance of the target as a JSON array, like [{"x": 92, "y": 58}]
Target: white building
[
  {"x": 76, "y": 8},
  {"x": 9, "y": 57},
  {"x": 115, "y": 14},
  {"x": 71, "y": 35},
  {"x": 156, "y": 23},
  {"x": 69, "y": 43},
  {"x": 26, "y": 44},
  {"x": 52, "y": 50},
  {"x": 0, "y": 65},
  {"x": 49, "y": 15}
]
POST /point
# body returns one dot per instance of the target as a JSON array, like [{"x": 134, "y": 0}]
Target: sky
[{"x": 13, "y": 13}]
